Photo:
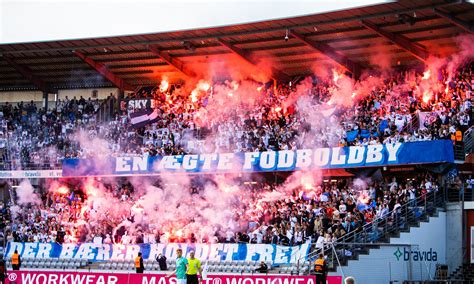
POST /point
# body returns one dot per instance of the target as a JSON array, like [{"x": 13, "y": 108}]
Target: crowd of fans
[
  {"x": 321, "y": 214},
  {"x": 397, "y": 111},
  {"x": 39, "y": 138},
  {"x": 275, "y": 120}
]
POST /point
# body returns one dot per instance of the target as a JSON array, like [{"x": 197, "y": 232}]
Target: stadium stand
[
  {"x": 380, "y": 117},
  {"x": 340, "y": 212}
]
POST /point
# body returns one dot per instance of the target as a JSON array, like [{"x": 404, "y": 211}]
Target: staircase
[
  {"x": 371, "y": 236},
  {"x": 464, "y": 272}
]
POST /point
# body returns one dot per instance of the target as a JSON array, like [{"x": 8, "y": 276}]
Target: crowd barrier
[{"x": 71, "y": 277}]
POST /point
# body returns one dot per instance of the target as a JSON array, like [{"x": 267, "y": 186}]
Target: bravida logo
[
  {"x": 398, "y": 253},
  {"x": 416, "y": 255}
]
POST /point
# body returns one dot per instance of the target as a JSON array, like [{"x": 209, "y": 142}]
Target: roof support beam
[
  {"x": 402, "y": 41},
  {"x": 102, "y": 70},
  {"x": 173, "y": 61},
  {"x": 330, "y": 52},
  {"x": 28, "y": 74},
  {"x": 276, "y": 74},
  {"x": 465, "y": 26}
]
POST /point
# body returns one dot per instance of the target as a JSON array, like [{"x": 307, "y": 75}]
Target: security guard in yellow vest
[
  {"x": 320, "y": 269},
  {"x": 139, "y": 263},
  {"x": 16, "y": 261}
]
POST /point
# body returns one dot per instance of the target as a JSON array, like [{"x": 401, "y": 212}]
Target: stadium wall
[
  {"x": 37, "y": 96},
  {"x": 453, "y": 236},
  {"x": 413, "y": 255},
  {"x": 469, "y": 211},
  {"x": 102, "y": 93},
  {"x": 74, "y": 277},
  {"x": 25, "y": 96}
]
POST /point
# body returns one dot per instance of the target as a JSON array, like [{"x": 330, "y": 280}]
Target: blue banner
[
  {"x": 426, "y": 152},
  {"x": 216, "y": 252}
]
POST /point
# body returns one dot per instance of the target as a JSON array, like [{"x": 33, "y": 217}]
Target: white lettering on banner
[
  {"x": 117, "y": 252},
  {"x": 303, "y": 158},
  {"x": 29, "y": 251},
  {"x": 321, "y": 157},
  {"x": 155, "y": 250},
  {"x": 53, "y": 278},
  {"x": 170, "y": 250},
  {"x": 214, "y": 251},
  {"x": 103, "y": 252},
  {"x": 145, "y": 280},
  {"x": 202, "y": 251},
  {"x": 190, "y": 162},
  {"x": 140, "y": 164},
  {"x": 43, "y": 251},
  {"x": 15, "y": 246},
  {"x": 67, "y": 278},
  {"x": 137, "y": 104},
  {"x": 84, "y": 252},
  {"x": 141, "y": 104},
  {"x": 268, "y": 160},
  {"x": 122, "y": 164},
  {"x": 225, "y": 161},
  {"x": 112, "y": 280},
  {"x": 337, "y": 158},
  {"x": 67, "y": 251},
  {"x": 78, "y": 279},
  {"x": 170, "y": 162},
  {"x": 47, "y": 277},
  {"x": 393, "y": 151},
  {"x": 132, "y": 251},
  {"x": 282, "y": 254},
  {"x": 299, "y": 252},
  {"x": 374, "y": 154},
  {"x": 265, "y": 252},
  {"x": 286, "y": 159},
  {"x": 356, "y": 155},
  {"x": 230, "y": 249},
  {"x": 207, "y": 159},
  {"x": 251, "y": 251},
  {"x": 249, "y": 159}
]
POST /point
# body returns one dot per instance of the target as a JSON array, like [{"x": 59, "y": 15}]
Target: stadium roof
[{"x": 407, "y": 32}]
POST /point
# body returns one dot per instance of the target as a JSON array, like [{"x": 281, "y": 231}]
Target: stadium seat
[{"x": 155, "y": 266}]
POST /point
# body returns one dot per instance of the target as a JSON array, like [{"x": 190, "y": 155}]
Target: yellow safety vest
[
  {"x": 319, "y": 265},
  {"x": 15, "y": 259},
  {"x": 137, "y": 262}
]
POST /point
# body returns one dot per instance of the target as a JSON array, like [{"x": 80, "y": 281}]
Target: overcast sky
[{"x": 35, "y": 20}]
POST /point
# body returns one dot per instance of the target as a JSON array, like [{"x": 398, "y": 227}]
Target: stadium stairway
[
  {"x": 463, "y": 272},
  {"x": 350, "y": 247}
]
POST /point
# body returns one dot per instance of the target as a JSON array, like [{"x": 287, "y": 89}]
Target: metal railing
[
  {"x": 11, "y": 166},
  {"x": 378, "y": 231},
  {"x": 456, "y": 194},
  {"x": 468, "y": 140}
]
